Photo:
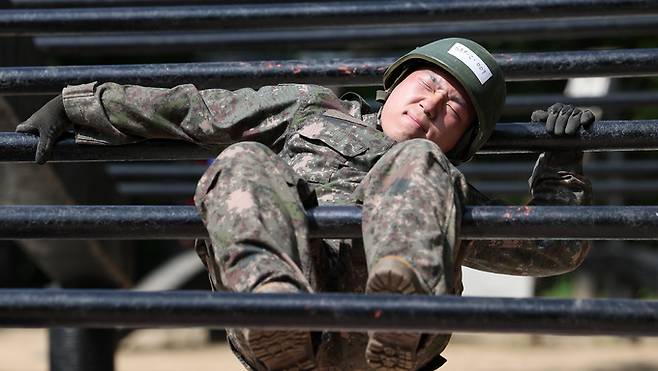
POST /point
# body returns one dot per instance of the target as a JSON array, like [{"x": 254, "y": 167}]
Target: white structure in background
[
  {"x": 587, "y": 87},
  {"x": 479, "y": 283}
]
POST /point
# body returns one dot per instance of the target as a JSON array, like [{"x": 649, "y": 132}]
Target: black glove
[
  {"x": 563, "y": 119},
  {"x": 49, "y": 122}
]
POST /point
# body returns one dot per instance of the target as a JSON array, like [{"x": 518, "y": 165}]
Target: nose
[{"x": 433, "y": 101}]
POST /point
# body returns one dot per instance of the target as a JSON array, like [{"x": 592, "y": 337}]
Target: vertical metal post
[{"x": 81, "y": 349}]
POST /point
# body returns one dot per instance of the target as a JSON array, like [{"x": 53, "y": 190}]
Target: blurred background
[{"x": 613, "y": 269}]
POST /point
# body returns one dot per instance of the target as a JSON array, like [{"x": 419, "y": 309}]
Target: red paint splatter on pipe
[{"x": 346, "y": 70}]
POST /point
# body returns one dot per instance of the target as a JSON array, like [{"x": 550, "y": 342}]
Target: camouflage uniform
[{"x": 315, "y": 148}]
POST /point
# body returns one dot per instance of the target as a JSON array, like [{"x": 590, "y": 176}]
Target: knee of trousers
[
  {"x": 414, "y": 149},
  {"x": 244, "y": 158},
  {"x": 244, "y": 153}
]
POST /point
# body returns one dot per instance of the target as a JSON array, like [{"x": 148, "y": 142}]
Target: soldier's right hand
[{"x": 49, "y": 122}]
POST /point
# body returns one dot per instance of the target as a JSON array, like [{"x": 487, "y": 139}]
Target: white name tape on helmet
[{"x": 472, "y": 61}]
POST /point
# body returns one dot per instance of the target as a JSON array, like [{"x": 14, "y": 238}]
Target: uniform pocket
[
  {"x": 334, "y": 147},
  {"x": 340, "y": 139}
]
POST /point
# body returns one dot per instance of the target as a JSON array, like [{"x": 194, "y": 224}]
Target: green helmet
[{"x": 477, "y": 71}]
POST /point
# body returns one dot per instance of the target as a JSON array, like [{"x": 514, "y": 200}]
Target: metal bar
[
  {"x": 103, "y": 3},
  {"x": 507, "y": 138},
  {"x": 183, "y": 222},
  {"x": 176, "y": 190},
  {"x": 489, "y": 170},
  {"x": 353, "y": 37},
  {"x": 603, "y": 135},
  {"x": 79, "y": 20},
  {"x": 130, "y": 171},
  {"x": 635, "y": 188},
  {"x": 158, "y": 189},
  {"x": 21, "y": 147},
  {"x": 78, "y": 349},
  {"x": 623, "y": 100},
  {"x": 344, "y": 312},
  {"x": 227, "y": 75},
  {"x": 345, "y": 72}
]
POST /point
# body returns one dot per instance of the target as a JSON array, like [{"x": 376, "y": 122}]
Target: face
[{"x": 430, "y": 104}]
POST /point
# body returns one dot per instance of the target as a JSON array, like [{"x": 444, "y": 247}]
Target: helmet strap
[
  {"x": 381, "y": 96},
  {"x": 460, "y": 151}
]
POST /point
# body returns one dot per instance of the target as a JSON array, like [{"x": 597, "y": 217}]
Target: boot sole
[
  {"x": 390, "y": 351},
  {"x": 282, "y": 350}
]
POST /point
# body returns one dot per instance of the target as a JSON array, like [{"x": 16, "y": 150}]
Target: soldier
[{"x": 297, "y": 146}]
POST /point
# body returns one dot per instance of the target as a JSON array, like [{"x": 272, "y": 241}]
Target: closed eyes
[
  {"x": 432, "y": 87},
  {"x": 455, "y": 112}
]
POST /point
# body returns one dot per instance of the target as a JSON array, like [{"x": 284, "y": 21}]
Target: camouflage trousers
[{"x": 252, "y": 204}]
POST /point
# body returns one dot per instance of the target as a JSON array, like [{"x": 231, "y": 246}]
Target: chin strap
[
  {"x": 458, "y": 154},
  {"x": 381, "y": 96}
]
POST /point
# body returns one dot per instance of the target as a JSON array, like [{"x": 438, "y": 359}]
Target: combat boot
[
  {"x": 388, "y": 351},
  {"x": 281, "y": 350}
]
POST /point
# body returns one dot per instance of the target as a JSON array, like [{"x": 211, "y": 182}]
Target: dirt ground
[{"x": 175, "y": 350}]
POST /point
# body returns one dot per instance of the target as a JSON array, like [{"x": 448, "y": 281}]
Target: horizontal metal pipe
[
  {"x": 103, "y": 3},
  {"x": 602, "y": 188},
  {"x": 600, "y": 136},
  {"x": 345, "y": 72},
  {"x": 352, "y": 37},
  {"x": 507, "y": 138},
  {"x": 625, "y": 168},
  {"x": 599, "y": 168},
  {"x": 77, "y": 20},
  {"x": 165, "y": 171},
  {"x": 177, "y": 190},
  {"x": 183, "y": 222},
  {"x": 621, "y": 100},
  {"x": 344, "y": 312},
  {"x": 15, "y": 147},
  {"x": 488, "y": 170}
]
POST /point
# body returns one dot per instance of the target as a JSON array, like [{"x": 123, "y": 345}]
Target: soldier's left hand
[
  {"x": 563, "y": 119},
  {"x": 49, "y": 123}
]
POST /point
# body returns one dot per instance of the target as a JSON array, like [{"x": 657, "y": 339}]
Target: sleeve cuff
[{"x": 84, "y": 108}]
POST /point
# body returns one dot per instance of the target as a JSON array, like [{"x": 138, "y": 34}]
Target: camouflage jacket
[{"x": 330, "y": 142}]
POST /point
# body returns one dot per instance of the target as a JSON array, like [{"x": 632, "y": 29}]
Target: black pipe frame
[
  {"x": 172, "y": 190},
  {"x": 636, "y": 189},
  {"x": 337, "y": 72},
  {"x": 183, "y": 222},
  {"x": 614, "y": 100},
  {"x": 353, "y": 38},
  {"x": 167, "y": 171},
  {"x": 82, "y": 349},
  {"x": 339, "y": 312},
  {"x": 507, "y": 138},
  {"x": 114, "y": 3},
  {"x": 80, "y": 20}
]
